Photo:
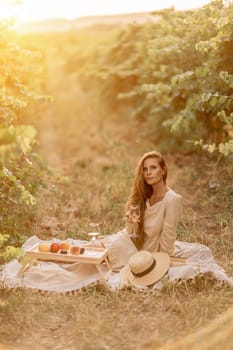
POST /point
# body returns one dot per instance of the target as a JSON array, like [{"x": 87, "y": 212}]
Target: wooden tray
[{"x": 93, "y": 255}]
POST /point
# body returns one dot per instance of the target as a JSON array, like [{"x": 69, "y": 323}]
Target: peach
[{"x": 55, "y": 247}]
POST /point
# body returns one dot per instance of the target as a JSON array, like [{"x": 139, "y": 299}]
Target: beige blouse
[{"x": 160, "y": 223}]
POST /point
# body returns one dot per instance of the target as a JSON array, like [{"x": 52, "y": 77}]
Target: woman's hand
[{"x": 131, "y": 216}]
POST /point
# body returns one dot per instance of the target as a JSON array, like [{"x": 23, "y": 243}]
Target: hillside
[{"x": 61, "y": 25}]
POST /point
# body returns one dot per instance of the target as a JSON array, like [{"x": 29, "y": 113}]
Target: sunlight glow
[{"x": 34, "y": 10}]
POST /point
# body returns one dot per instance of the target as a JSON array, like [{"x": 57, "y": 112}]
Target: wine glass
[
  {"x": 134, "y": 212},
  {"x": 94, "y": 233}
]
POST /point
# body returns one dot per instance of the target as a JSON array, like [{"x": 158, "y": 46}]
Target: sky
[{"x": 31, "y": 10}]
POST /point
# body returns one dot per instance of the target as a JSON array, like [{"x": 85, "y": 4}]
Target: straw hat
[{"x": 145, "y": 268}]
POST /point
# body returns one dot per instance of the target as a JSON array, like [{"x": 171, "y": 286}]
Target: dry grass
[
  {"x": 216, "y": 335},
  {"x": 92, "y": 157},
  {"x": 97, "y": 318}
]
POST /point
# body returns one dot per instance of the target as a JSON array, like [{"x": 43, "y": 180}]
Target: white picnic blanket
[{"x": 60, "y": 277}]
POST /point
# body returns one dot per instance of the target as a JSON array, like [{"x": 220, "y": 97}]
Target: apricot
[{"x": 43, "y": 247}]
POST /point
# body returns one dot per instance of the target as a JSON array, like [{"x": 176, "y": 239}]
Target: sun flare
[{"x": 34, "y": 10}]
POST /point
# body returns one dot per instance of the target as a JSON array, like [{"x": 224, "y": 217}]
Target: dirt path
[
  {"x": 74, "y": 126},
  {"x": 61, "y": 123}
]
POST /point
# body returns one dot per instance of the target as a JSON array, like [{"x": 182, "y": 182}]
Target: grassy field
[{"x": 91, "y": 158}]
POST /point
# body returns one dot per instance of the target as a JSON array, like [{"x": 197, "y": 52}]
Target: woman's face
[{"x": 152, "y": 171}]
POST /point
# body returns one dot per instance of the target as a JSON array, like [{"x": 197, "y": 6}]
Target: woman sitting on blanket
[{"x": 159, "y": 213}]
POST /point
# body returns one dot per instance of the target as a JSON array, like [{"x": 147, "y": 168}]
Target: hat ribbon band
[{"x": 145, "y": 272}]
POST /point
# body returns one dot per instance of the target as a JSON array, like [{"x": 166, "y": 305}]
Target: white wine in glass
[{"x": 135, "y": 216}]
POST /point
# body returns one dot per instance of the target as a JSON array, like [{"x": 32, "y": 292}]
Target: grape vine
[{"x": 173, "y": 75}]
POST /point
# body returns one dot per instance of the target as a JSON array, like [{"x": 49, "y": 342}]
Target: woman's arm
[{"x": 172, "y": 216}]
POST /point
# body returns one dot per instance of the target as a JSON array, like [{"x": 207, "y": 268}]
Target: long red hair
[{"x": 141, "y": 191}]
